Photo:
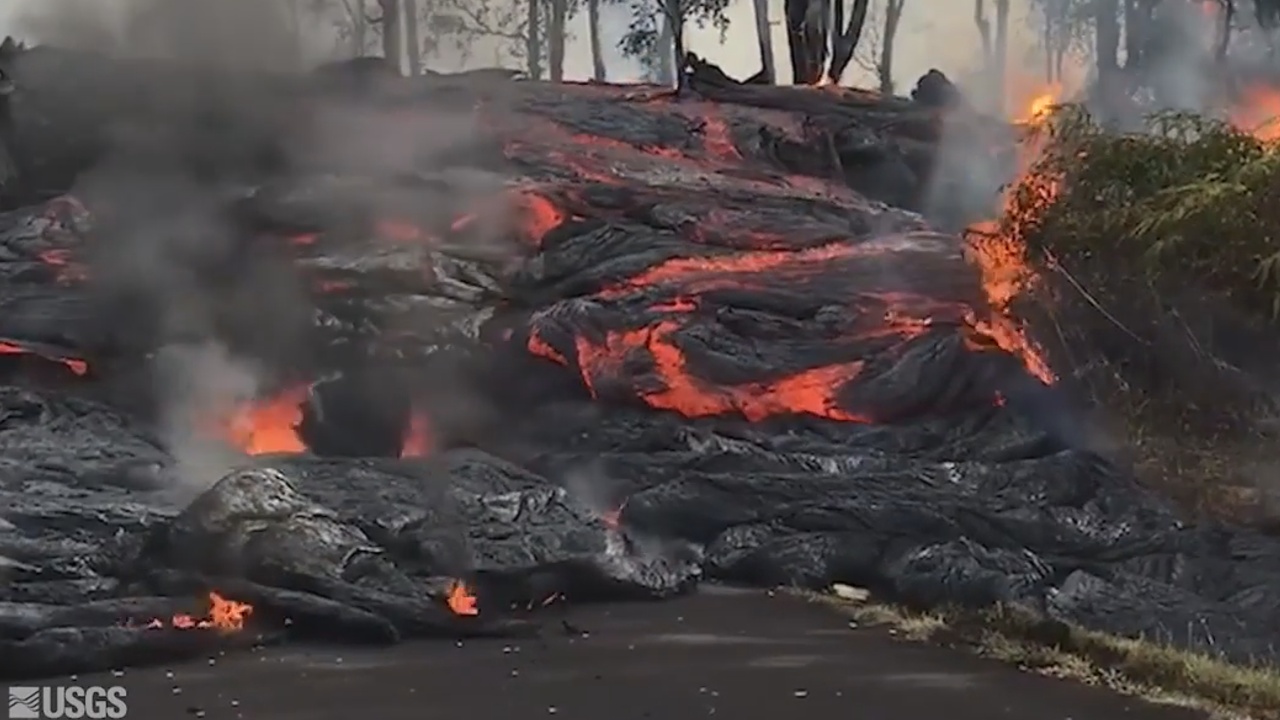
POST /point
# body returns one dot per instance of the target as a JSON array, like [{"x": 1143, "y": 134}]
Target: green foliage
[{"x": 1191, "y": 202}]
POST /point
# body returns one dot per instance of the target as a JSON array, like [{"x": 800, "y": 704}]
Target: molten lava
[
  {"x": 269, "y": 425},
  {"x": 461, "y": 600},
  {"x": 76, "y": 366},
  {"x": 224, "y": 615}
]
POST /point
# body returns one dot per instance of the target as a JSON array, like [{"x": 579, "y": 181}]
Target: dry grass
[{"x": 1154, "y": 672}]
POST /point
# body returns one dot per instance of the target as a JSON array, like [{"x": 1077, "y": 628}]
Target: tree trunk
[
  {"x": 1224, "y": 31},
  {"x": 764, "y": 39},
  {"x": 847, "y": 41},
  {"x": 556, "y": 39},
  {"x": 391, "y": 45},
  {"x": 980, "y": 21},
  {"x": 533, "y": 40},
  {"x": 1107, "y": 38},
  {"x": 359, "y": 26},
  {"x": 1132, "y": 34},
  {"x": 1047, "y": 41},
  {"x": 892, "y": 14},
  {"x": 1000, "y": 56},
  {"x": 675, "y": 21},
  {"x": 663, "y": 49},
  {"x": 412, "y": 40},
  {"x": 295, "y": 20},
  {"x": 803, "y": 42},
  {"x": 593, "y": 29}
]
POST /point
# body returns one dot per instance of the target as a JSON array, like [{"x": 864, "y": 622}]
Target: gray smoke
[{"x": 256, "y": 34}]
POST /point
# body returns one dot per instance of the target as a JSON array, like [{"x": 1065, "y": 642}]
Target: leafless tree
[
  {"x": 593, "y": 30},
  {"x": 875, "y": 50},
  {"x": 412, "y": 36},
  {"x": 557, "y": 35},
  {"x": 390, "y": 21},
  {"x": 764, "y": 39},
  {"x": 995, "y": 49},
  {"x": 656, "y": 33}
]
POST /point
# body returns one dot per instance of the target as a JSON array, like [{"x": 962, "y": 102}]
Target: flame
[
  {"x": 998, "y": 250},
  {"x": 417, "y": 441},
  {"x": 268, "y": 425},
  {"x": 1037, "y": 108},
  {"x": 224, "y": 615},
  {"x": 461, "y": 600},
  {"x": 1256, "y": 112}
]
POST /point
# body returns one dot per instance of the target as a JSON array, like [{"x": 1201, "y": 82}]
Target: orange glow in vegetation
[
  {"x": 224, "y": 615},
  {"x": 1036, "y": 107},
  {"x": 268, "y": 425},
  {"x": 461, "y": 600},
  {"x": 1257, "y": 112},
  {"x": 998, "y": 250}
]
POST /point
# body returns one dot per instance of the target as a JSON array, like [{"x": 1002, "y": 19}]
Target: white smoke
[{"x": 201, "y": 385}]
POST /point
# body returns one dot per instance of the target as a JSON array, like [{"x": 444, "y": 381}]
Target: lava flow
[
  {"x": 461, "y": 600},
  {"x": 653, "y": 355},
  {"x": 224, "y": 615},
  {"x": 76, "y": 366},
  {"x": 269, "y": 425}
]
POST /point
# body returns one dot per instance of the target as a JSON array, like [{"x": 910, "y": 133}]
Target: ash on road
[{"x": 725, "y": 653}]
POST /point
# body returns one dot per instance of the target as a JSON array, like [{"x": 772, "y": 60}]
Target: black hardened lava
[{"x": 651, "y": 341}]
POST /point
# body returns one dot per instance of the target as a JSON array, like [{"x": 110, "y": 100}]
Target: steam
[
  {"x": 245, "y": 34},
  {"x": 200, "y": 384},
  {"x": 589, "y": 484}
]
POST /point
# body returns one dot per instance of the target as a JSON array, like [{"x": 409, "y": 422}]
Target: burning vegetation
[{"x": 1183, "y": 203}]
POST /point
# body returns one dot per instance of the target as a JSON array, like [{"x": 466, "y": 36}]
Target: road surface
[{"x": 722, "y": 653}]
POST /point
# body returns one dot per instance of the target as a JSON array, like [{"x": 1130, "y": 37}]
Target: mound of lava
[{"x": 529, "y": 344}]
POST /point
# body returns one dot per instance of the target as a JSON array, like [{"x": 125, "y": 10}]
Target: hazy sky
[{"x": 934, "y": 33}]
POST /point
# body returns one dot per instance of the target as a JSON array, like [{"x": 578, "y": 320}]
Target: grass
[{"x": 1154, "y": 672}]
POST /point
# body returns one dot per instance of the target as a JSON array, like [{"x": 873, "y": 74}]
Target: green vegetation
[
  {"x": 1159, "y": 253},
  {"x": 1194, "y": 200}
]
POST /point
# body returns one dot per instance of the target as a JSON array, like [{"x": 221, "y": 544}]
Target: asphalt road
[{"x": 731, "y": 654}]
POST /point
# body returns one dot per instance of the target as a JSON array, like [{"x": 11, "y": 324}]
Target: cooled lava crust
[{"x": 630, "y": 342}]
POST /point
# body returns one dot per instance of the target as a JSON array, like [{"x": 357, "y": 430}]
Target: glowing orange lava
[
  {"x": 539, "y": 215},
  {"x": 810, "y": 391},
  {"x": 461, "y": 600},
  {"x": 224, "y": 615},
  {"x": 269, "y": 425},
  {"x": 76, "y": 366}
]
